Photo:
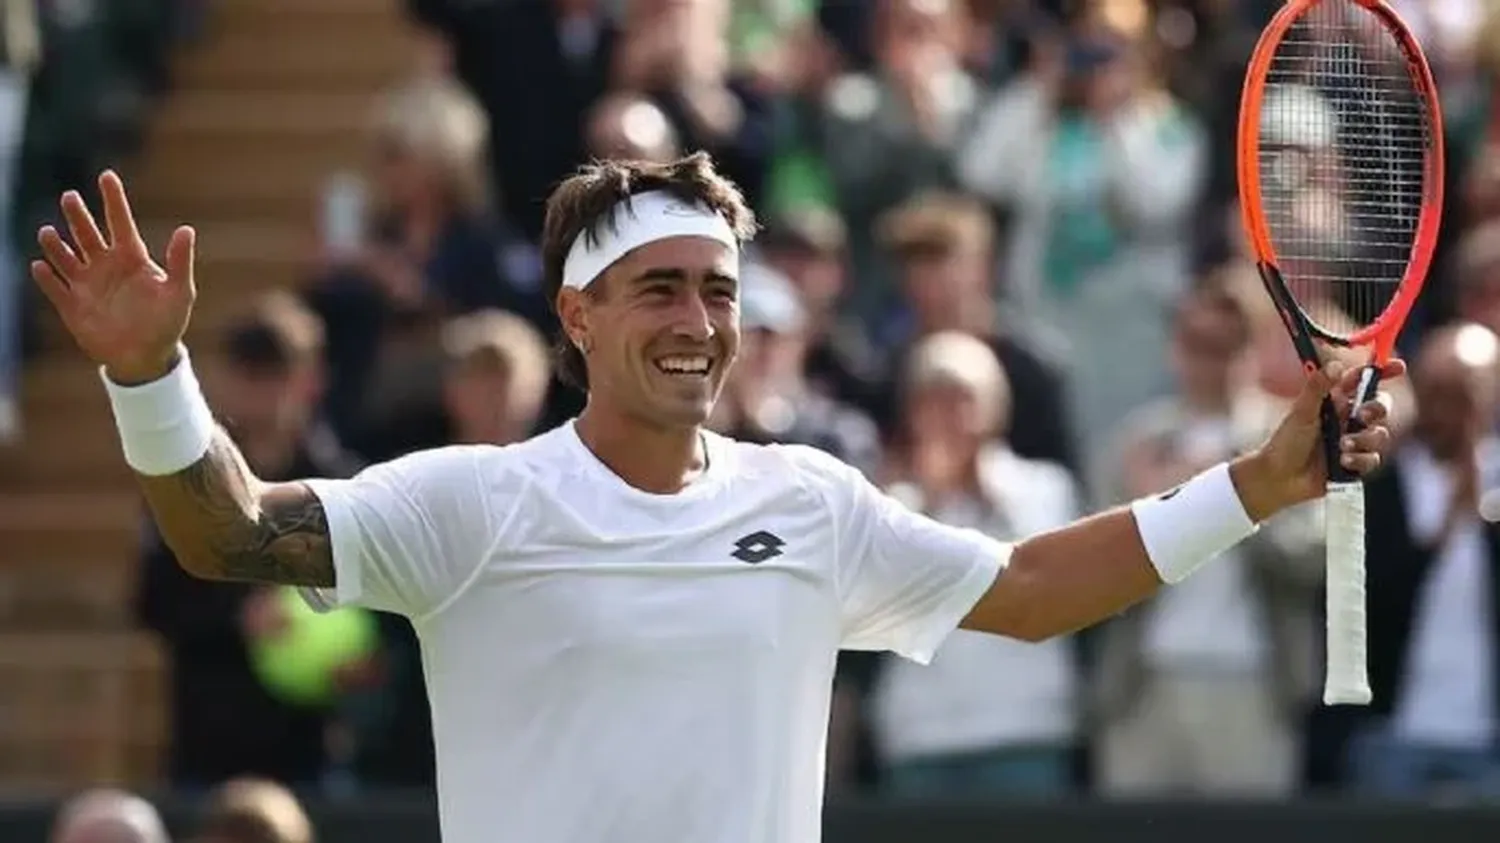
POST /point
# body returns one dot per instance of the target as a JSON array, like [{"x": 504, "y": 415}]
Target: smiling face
[{"x": 661, "y": 326}]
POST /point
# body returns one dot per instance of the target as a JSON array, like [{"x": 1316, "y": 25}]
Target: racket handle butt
[{"x": 1347, "y": 694}]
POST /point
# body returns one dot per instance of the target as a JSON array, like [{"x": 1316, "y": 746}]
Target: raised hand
[{"x": 124, "y": 310}]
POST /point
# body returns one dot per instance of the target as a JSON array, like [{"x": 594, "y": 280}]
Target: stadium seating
[{"x": 259, "y": 113}]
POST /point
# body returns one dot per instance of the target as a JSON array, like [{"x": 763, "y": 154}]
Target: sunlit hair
[
  {"x": 251, "y": 810},
  {"x": 439, "y": 123},
  {"x": 103, "y": 808},
  {"x": 954, "y": 358},
  {"x": 502, "y": 341}
]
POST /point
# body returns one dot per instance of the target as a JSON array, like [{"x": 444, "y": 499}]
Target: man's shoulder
[{"x": 518, "y": 459}]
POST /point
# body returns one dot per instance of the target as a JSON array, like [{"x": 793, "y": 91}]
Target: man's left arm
[
  {"x": 1086, "y": 572},
  {"x": 1062, "y": 581}
]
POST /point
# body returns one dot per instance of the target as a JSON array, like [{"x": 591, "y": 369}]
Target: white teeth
[{"x": 684, "y": 365}]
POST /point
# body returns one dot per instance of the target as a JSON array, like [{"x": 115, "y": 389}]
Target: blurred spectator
[
  {"x": 1475, "y": 130},
  {"x": 631, "y": 127},
  {"x": 495, "y": 377},
  {"x": 1434, "y": 582},
  {"x": 1099, "y": 171},
  {"x": 999, "y": 36},
  {"x": 943, "y": 246},
  {"x": 108, "y": 816},
  {"x": 988, "y": 717},
  {"x": 502, "y": 51},
  {"x": 1478, "y": 275},
  {"x": 484, "y": 381},
  {"x": 889, "y": 133},
  {"x": 1198, "y": 690},
  {"x": 249, "y": 810},
  {"x": 1204, "y": 49},
  {"x": 431, "y": 247},
  {"x": 266, "y": 389},
  {"x": 808, "y": 245},
  {"x": 767, "y": 397},
  {"x": 20, "y": 55},
  {"x": 677, "y": 54}
]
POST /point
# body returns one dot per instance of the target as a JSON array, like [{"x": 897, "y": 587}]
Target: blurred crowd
[
  {"x": 77, "y": 78},
  {"x": 241, "y": 810},
  {"x": 1001, "y": 271}
]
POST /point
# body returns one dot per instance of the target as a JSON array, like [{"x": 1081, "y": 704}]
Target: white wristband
[
  {"x": 1192, "y": 524},
  {"x": 165, "y": 425}
]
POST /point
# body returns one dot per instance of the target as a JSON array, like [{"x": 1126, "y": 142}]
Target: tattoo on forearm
[{"x": 275, "y": 535}]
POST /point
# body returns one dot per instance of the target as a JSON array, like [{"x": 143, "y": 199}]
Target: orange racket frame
[
  {"x": 1346, "y": 680},
  {"x": 1380, "y": 334}
]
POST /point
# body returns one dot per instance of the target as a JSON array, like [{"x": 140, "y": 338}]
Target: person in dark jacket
[{"x": 225, "y": 723}]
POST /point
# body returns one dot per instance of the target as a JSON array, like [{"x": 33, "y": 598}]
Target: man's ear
[{"x": 573, "y": 312}]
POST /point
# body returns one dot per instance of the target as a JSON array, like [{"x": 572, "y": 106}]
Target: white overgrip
[{"x": 1346, "y": 681}]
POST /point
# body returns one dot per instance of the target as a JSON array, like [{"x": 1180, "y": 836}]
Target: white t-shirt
[{"x": 606, "y": 664}]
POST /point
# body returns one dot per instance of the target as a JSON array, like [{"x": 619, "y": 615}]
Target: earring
[{"x": 584, "y": 346}]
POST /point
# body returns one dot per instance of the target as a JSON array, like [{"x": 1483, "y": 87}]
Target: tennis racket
[{"x": 1340, "y": 156}]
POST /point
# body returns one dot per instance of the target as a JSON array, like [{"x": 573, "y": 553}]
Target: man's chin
[{"x": 684, "y": 411}]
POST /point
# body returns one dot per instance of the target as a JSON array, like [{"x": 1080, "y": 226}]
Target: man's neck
[{"x": 660, "y": 460}]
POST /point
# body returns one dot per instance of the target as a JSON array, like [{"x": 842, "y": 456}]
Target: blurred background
[{"x": 1001, "y": 272}]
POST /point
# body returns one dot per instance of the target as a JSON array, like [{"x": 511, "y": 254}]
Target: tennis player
[{"x": 629, "y": 624}]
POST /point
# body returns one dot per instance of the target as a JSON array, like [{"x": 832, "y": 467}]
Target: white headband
[{"x": 641, "y": 219}]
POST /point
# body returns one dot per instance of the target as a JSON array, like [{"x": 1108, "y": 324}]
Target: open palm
[{"x": 124, "y": 310}]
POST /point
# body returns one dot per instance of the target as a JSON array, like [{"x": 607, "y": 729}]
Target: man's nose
[{"x": 691, "y": 320}]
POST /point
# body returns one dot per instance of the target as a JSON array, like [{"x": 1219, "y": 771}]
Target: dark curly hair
[{"x": 582, "y": 203}]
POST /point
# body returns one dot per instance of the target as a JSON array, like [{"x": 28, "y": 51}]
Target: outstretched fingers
[
  {"x": 180, "y": 251},
  {"x": 53, "y": 287},
  {"x": 86, "y": 237},
  {"x": 117, "y": 215},
  {"x": 58, "y": 253}
]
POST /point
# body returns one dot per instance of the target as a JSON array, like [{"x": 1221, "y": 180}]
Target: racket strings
[{"x": 1344, "y": 134}]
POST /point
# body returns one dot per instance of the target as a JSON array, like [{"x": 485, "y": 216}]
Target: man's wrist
[
  {"x": 144, "y": 372},
  {"x": 165, "y": 424},
  {"x": 1262, "y": 492},
  {"x": 1191, "y": 524}
]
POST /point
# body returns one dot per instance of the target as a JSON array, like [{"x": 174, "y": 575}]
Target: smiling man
[{"x": 629, "y": 624}]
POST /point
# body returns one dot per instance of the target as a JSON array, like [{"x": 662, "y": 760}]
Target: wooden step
[
  {"x": 230, "y": 13},
  {"x": 262, "y": 184},
  {"x": 69, "y": 559},
  {"x": 298, "y": 57},
  {"x": 271, "y": 115},
  {"x": 81, "y": 707},
  {"x": 81, "y": 453}
]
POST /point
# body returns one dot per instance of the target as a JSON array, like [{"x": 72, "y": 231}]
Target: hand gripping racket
[{"x": 1340, "y": 157}]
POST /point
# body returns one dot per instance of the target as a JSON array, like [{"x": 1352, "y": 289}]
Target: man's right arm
[{"x": 222, "y": 522}]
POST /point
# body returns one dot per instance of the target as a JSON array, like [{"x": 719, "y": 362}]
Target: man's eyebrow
[{"x": 660, "y": 273}]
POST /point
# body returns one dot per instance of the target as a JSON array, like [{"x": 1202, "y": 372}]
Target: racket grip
[{"x": 1346, "y": 680}]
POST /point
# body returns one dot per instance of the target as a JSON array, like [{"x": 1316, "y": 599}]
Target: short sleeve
[
  {"x": 408, "y": 534},
  {"x": 905, "y": 581}
]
